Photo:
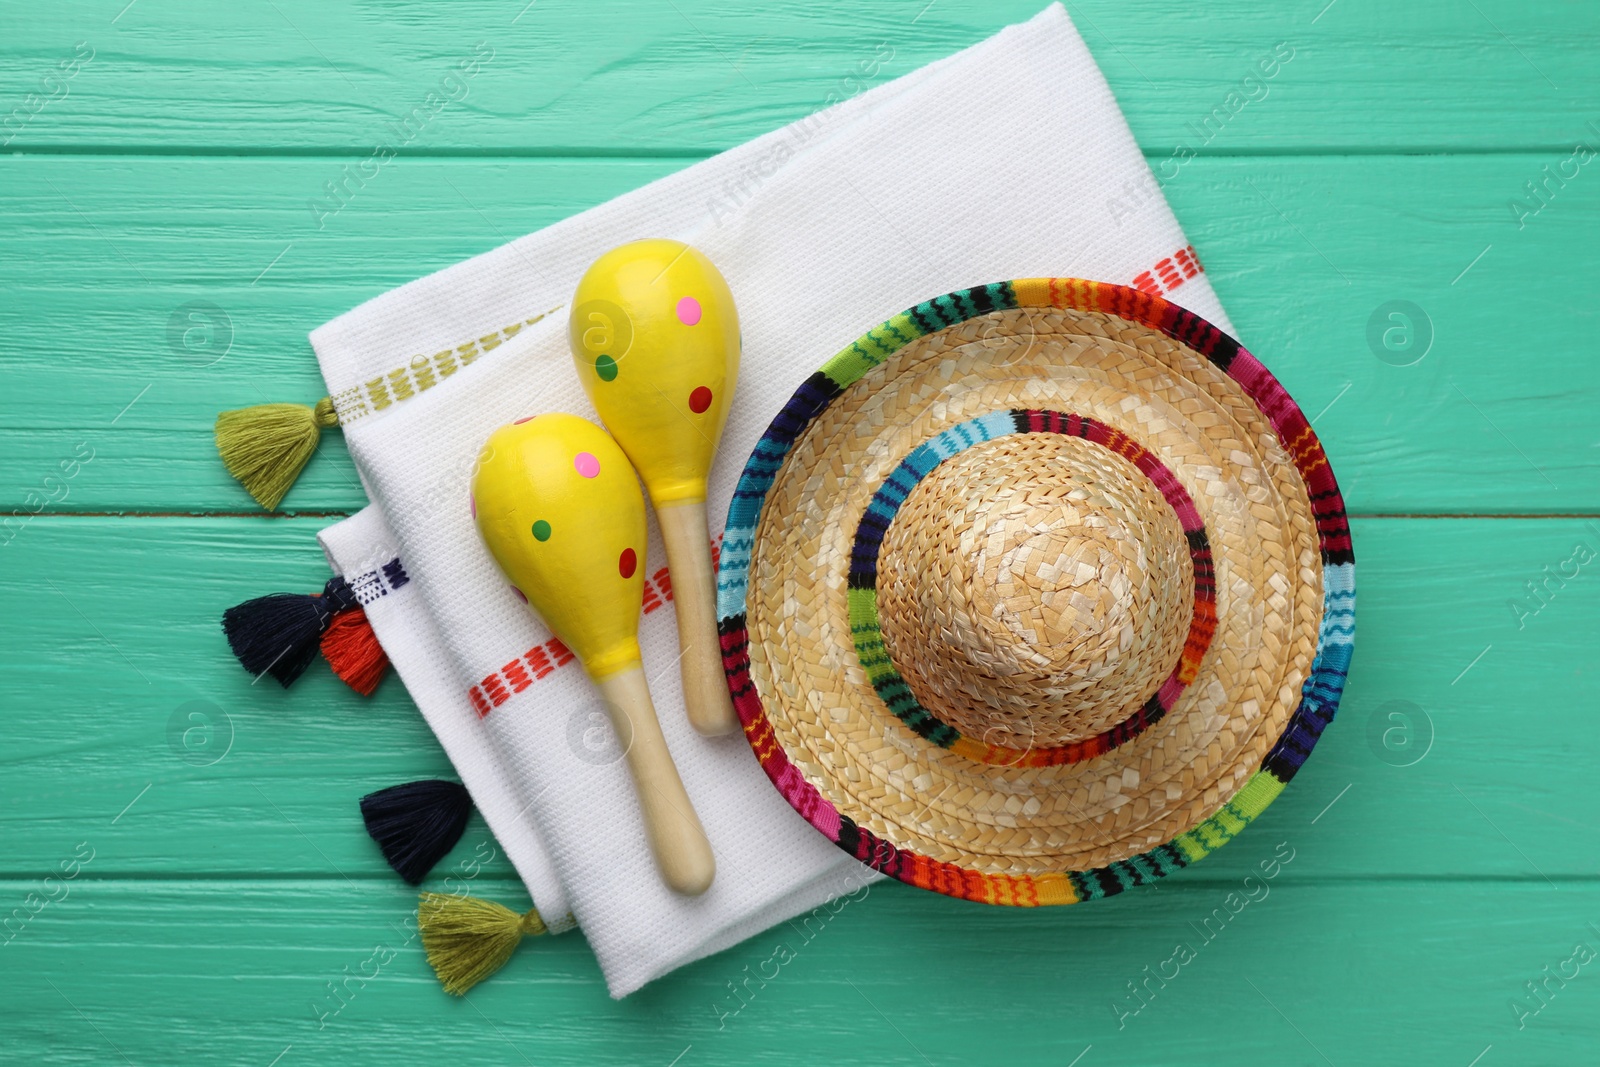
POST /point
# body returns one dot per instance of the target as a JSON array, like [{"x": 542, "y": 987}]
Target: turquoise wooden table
[{"x": 1403, "y": 225}]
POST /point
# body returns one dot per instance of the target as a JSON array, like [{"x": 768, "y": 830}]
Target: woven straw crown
[{"x": 1036, "y": 591}]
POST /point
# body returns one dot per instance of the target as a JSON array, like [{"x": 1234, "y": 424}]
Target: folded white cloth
[
  {"x": 363, "y": 551},
  {"x": 1007, "y": 160}
]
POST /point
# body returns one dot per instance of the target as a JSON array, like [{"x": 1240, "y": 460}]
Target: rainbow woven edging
[
  {"x": 1319, "y": 698},
  {"x": 863, "y": 586}
]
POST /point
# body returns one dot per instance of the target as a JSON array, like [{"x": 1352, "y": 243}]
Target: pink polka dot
[
  {"x": 520, "y": 594},
  {"x": 688, "y": 311},
  {"x": 627, "y": 563},
  {"x": 699, "y": 400},
  {"x": 519, "y": 422},
  {"x": 586, "y": 464}
]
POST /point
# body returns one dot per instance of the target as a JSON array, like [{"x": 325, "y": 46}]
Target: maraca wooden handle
[
  {"x": 705, "y": 685},
  {"x": 676, "y": 838}
]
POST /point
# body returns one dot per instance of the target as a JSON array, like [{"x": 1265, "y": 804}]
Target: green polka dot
[
  {"x": 606, "y": 367},
  {"x": 541, "y": 531}
]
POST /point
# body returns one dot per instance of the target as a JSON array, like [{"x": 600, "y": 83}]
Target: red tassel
[{"x": 352, "y": 650}]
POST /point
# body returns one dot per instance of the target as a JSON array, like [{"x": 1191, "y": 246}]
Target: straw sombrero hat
[{"x": 1037, "y": 591}]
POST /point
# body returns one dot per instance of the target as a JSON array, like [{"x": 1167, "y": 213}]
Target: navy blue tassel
[
  {"x": 277, "y": 634},
  {"x": 415, "y": 824}
]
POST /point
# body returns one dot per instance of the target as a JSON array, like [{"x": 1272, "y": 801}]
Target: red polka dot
[
  {"x": 520, "y": 594},
  {"x": 699, "y": 400},
  {"x": 627, "y": 563},
  {"x": 519, "y": 422}
]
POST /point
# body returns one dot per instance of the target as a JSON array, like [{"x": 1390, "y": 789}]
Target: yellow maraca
[
  {"x": 655, "y": 337},
  {"x": 560, "y": 509}
]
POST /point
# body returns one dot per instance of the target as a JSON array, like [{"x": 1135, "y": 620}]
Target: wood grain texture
[
  {"x": 1495, "y": 418},
  {"x": 1309, "y": 973},
  {"x": 636, "y": 76},
  {"x": 1442, "y": 846}
]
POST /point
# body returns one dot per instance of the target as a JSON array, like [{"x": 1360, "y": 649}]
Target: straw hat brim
[{"x": 1021, "y": 375}]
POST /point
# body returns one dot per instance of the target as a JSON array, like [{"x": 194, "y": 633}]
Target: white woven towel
[
  {"x": 367, "y": 555},
  {"x": 1007, "y": 160}
]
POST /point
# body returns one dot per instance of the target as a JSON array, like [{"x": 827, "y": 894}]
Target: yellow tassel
[
  {"x": 468, "y": 939},
  {"x": 267, "y": 446}
]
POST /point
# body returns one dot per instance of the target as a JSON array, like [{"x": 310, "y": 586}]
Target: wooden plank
[
  {"x": 101, "y": 254},
  {"x": 152, "y": 725},
  {"x": 1461, "y": 749},
  {"x": 242, "y": 972},
  {"x": 638, "y": 76}
]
